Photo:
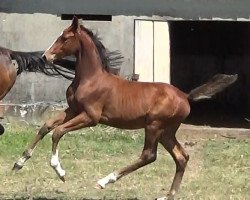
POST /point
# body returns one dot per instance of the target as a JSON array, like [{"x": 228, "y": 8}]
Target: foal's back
[{"x": 131, "y": 104}]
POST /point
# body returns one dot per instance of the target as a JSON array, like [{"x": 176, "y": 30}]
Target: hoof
[
  {"x": 170, "y": 197},
  {"x": 1, "y": 129},
  {"x": 62, "y": 178},
  {"x": 17, "y": 167},
  {"x": 99, "y": 187}
]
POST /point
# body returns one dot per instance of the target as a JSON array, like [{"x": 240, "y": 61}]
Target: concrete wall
[{"x": 35, "y": 32}]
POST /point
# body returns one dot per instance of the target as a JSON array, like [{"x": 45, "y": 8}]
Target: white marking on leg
[
  {"x": 55, "y": 164},
  {"x": 111, "y": 178},
  {"x": 162, "y": 198},
  {"x": 21, "y": 161}
]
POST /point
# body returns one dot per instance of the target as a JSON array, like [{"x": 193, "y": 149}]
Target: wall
[{"x": 26, "y": 32}]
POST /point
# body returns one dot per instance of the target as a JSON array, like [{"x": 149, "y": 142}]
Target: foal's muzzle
[{"x": 48, "y": 57}]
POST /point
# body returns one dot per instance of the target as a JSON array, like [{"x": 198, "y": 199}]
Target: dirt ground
[{"x": 90, "y": 155}]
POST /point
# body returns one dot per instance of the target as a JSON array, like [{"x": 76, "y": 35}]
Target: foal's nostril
[{"x": 44, "y": 57}]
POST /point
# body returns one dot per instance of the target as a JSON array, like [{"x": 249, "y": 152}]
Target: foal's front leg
[
  {"x": 80, "y": 121},
  {"x": 46, "y": 128}
]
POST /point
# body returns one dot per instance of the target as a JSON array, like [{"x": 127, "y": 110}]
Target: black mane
[
  {"x": 109, "y": 58},
  {"x": 33, "y": 62}
]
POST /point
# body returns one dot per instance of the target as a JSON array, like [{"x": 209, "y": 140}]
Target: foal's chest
[
  {"x": 73, "y": 96},
  {"x": 78, "y": 97}
]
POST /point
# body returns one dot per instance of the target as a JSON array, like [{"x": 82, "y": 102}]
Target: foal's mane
[{"x": 108, "y": 58}]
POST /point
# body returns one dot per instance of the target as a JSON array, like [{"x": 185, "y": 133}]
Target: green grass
[
  {"x": 14, "y": 141},
  {"x": 226, "y": 170},
  {"x": 218, "y": 169}
]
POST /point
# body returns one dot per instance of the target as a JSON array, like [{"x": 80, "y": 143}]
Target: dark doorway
[{"x": 201, "y": 49}]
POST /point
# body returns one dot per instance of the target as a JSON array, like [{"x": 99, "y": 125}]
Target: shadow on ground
[{"x": 215, "y": 115}]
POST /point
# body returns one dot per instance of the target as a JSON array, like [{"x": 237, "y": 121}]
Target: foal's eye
[
  {"x": 63, "y": 39},
  {"x": 66, "y": 41}
]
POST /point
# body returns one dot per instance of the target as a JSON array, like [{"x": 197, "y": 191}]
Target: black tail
[{"x": 216, "y": 84}]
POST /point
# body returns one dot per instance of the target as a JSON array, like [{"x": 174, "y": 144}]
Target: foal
[{"x": 96, "y": 96}]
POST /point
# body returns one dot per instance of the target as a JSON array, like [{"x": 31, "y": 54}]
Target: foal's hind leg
[
  {"x": 149, "y": 153},
  {"x": 170, "y": 143},
  {"x": 46, "y": 128}
]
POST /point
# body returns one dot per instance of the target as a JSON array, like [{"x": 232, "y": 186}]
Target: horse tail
[{"x": 216, "y": 84}]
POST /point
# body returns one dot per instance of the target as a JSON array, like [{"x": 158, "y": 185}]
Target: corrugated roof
[{"x": 183, "y": 9}]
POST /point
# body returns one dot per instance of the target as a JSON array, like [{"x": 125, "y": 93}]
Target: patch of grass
[
  {"x": 218, "y": 169},
  {"x": 87, "y": 142},
  {"x": 99, "y": 141},
  {"x": 226, "y": 171},
  {"x": 13, "y": 140}
]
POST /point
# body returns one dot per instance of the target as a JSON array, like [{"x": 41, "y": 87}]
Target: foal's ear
[{"x": 75, "y": 23}]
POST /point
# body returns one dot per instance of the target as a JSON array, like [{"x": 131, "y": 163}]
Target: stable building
[{"x": 179, "y": 42}]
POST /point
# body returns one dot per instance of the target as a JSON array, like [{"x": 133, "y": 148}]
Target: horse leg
[
  {"x": 5, "y": 86},
  {"x": 80, "y": 121},
  {"x": 46, "y": 128},
  {"x": 149, "y": 153},
  {"x": 1, "y": 129},
  {"x": 170, "y": 143}
]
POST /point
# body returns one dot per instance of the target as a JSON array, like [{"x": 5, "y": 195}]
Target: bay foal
[{"x": 97, "y": 96}]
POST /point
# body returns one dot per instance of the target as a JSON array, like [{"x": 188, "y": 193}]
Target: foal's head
[
  {"x": 69, "y": 43},
  {"x": 66, "y": 44}
]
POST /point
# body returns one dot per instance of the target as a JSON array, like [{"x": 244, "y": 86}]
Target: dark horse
[
  {"x": 13, "y": 63},
  {"x": 97, "y": 96}
]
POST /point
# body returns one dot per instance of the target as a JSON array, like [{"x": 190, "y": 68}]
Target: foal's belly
[{"x": 124, "y": 123}]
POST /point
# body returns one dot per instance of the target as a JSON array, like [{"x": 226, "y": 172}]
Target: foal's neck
[{"x": 88, "y": 59}]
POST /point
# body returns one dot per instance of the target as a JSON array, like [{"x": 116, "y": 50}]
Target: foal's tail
[{"x": 216, "y": 84}]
